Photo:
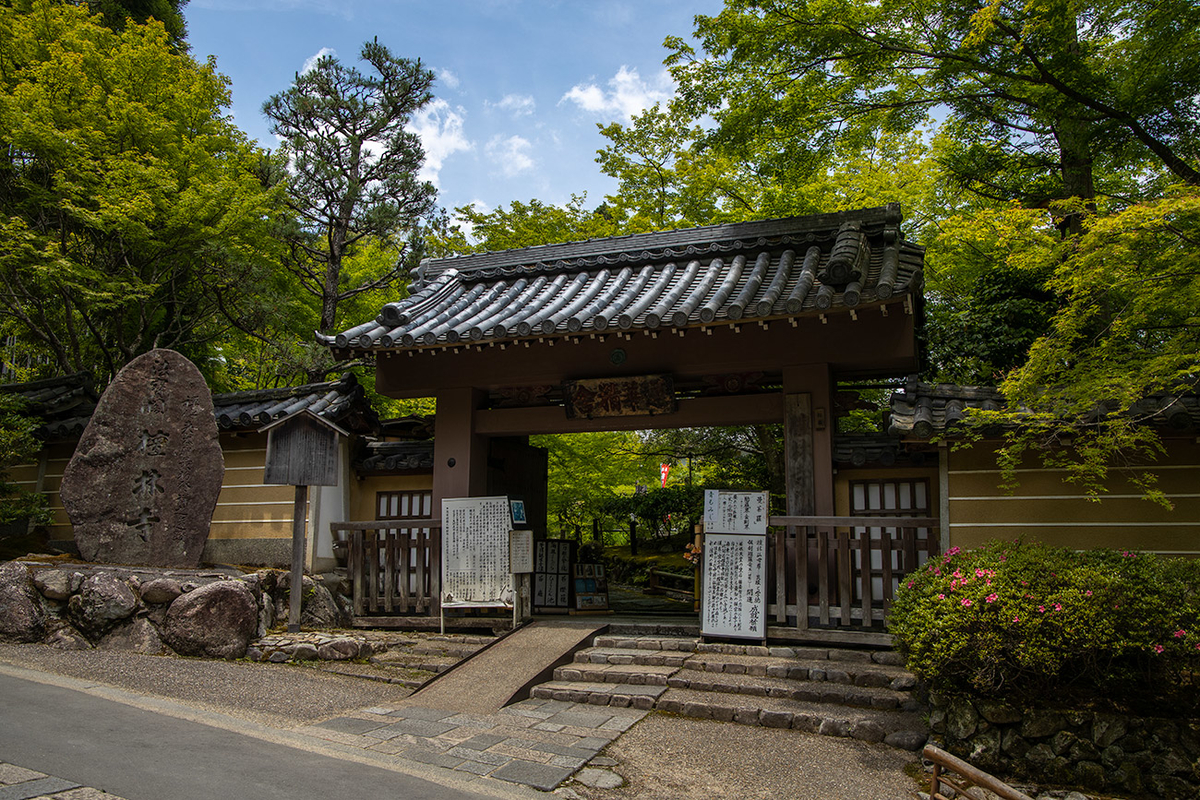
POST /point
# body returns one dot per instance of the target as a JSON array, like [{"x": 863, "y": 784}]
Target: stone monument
[{"x": 144, "y": 480}]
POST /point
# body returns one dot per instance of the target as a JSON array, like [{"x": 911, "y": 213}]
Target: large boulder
[
  {"x": 138, "y": 636},
  {"x": 21, "y": 616},
  {"x": 217, "y": 620},
  {"x": 57, "y": 584},
  {"x": 143, "y": 483},
  {"x": 103, "y": 601}
]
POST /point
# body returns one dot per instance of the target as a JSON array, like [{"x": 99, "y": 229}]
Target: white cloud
[
  {"x": 312, "y": 60},
  {"x": 449, "y": 78},
  {"x": 519, "y": 105},
  {"x": 440, "y": 128},
  {"x": 626, "y": 95},
  {"x": 510, "y": 155}
]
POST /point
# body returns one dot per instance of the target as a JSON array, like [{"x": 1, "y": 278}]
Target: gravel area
[
  {"x": 281, "y": 695},
  {"x": 665, "y": 758}
]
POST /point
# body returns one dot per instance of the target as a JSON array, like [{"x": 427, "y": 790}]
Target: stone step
[
  {"x": 618, "y": 695},
  {"x": 905, "y": 730},
  {"x": 621, "y": 655},
  {"x": 841, "y": 654},
  {"x": 670, "y": 643},
  {"x": 630, "y": 674},
  {"x": 426, "y": 662},
  {"x": 785, "y": 688},
  {"x": 867, "y": 674}
]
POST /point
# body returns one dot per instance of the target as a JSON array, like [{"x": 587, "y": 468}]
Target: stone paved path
[
  {"x": 539, "y": 743},
  {"x": 18, "y": 783}
]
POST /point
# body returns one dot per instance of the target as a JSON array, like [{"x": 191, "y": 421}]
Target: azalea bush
[{"x": 1030, "y": 622}]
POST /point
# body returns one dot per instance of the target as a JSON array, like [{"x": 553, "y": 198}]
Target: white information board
[
  {"x": 475, "y": 550},
  {"x": 520, "y": 551},
  {"x": 734, "y": 601},
  {"x": 735, "y": 512}
]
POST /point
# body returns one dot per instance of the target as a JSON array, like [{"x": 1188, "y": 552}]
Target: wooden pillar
[
  {"x": 459, "y": 454},
  {"x": 808, "y": 433},
  {"x": 296, "y": 587}
]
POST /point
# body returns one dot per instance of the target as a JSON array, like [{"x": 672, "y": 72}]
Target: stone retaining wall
[
  {"x": 191, "y": 612},
  {"x": 1102, "y": 751}
]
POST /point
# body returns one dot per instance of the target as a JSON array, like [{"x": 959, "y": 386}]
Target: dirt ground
[{"x": 665, "y": 757}]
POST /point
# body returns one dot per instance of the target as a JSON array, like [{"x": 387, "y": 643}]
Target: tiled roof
[
  {"x": 882, "y": 450},
  {"x": 389, "y": 456},
  {"x": 924, "y": 410},
  {"x": 801, "y": 266},
  {"x": 342, "y": 402},
  {"x": 64, "y": 404}
]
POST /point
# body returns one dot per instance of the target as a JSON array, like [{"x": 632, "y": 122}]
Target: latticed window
[
  {"x": 404, "y": 505},
  {"x": 907, "y": 497}
]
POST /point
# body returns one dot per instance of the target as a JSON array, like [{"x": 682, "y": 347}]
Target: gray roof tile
[{"x": 715, "y": 275}]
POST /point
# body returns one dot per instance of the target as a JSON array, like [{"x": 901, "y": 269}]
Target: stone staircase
[{"x": 860, "y": 694}]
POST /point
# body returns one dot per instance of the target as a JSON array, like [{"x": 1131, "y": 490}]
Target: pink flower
[
  {"x": 1179, "y": 634},
  {"x": 966, "y": 601},
  {"x": 1041, "y": 609},
  {"x": 1158, "y": 648},
  {"x": 910, "y": 584},
  {"x": 979, "y": 573},
  {"x": 1198, "y": 645},
  {"x": 1088, "y": 593},
  {"x": 1128, "y": 554},
  {"x": 993, "y": 597},
  {"x": 1016, "y": 619},
  {"x": 941, "y": 597},
  {"x": 1058, "y": 606}
]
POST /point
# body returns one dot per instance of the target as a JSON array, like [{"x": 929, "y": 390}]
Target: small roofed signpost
[{"x": 302, "y": 451}]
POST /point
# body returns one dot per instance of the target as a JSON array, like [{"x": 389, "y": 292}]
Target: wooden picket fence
[
  {"x": 394, "y": 565},
  {"x": 842, "y": 572}
]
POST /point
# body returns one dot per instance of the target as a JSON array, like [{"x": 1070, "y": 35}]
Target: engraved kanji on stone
[
  {"x": 154, "y": 444},
  {"x": 144, "y": 523},
  {"x": 146, "y": 485}
]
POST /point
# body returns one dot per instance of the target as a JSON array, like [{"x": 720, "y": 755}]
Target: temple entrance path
[{"x": 504, "y": 672}]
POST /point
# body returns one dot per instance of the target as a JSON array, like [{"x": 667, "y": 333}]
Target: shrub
[{"x": 1032, "y": 622}]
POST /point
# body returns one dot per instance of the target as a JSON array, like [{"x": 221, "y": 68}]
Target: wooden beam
[{"x": 725, "y": 410}]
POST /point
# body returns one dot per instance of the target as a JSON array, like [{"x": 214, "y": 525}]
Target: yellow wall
[
  {"x": 362, "y": 495},
  {"x": 246, "y": 508},
  {"x": 54, "y": 460},
  {"x": 1046, "y": 508}
]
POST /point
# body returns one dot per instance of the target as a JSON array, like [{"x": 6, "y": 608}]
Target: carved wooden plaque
[{"x": 619, "y": 397}]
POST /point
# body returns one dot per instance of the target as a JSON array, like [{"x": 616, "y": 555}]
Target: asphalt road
[{"x": 142, "y": 753}]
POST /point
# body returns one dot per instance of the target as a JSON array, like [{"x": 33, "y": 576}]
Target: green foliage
[
  {"x": 1126, "y": 327},
  {"x": 18, "y": 445},
  {"x": 664, "y": 511},
  {"x": 1043, "y": 100},
  {"x": 988, "y": 292},
  {"x": 1025, "y": 621},
  {"x": 118, "y": 13},
  {"x": 523, "y": 225},
  {"x": 360, "y": 208},
  {"x": 747, "y": 457},
  {"x": 586, "y": 470},
  {"x": 131, "y": 210}
]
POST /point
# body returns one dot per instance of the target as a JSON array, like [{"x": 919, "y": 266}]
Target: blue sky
[{"x": 521, "y": 84}]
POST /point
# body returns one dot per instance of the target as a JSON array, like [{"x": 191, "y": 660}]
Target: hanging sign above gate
[{"x": 619, "y": 397}]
